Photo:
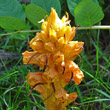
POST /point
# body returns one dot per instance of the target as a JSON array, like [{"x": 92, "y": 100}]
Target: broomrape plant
[{"x": 54, "y": 52}]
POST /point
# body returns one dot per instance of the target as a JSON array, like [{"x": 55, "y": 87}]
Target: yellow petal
[
  {"x": 67, "y": 33},
  {"x": 44, "y": 26},
  {"x": 60, "y": 43},
  {"x": 44, "y": 36},
  {"x": 72, "y": 35},
  {"x": 49, "y": 46},
  {"x": 52, "y": 35}
]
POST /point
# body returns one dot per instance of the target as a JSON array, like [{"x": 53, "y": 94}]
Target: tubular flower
[{"x": 54, "y": 52}]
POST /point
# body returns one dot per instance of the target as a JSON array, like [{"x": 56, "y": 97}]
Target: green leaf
[
  {"x": 73, "y": 3},
  {"x": 48, "y": 4},
  {"x": 11, "y": 8},
  {"x": 35, "y": 13},
  {"x": 11, "y": 23},
  {"x": 12, "y": 15},
  {"x": 87, "y": 13}
]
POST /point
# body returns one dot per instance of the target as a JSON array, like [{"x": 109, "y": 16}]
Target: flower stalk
[
  {"x": 54, "y": 52},
  {"x": 79, "y": 28}
]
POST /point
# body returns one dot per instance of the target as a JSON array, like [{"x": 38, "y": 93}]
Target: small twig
[{"x": 77, "y": 27}]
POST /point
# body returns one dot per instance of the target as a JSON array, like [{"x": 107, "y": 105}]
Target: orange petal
[
  {"x": 50, "y": 75},
  {"x": 78, "y": 76},
  {"x": 34, "y": 58},
  {"x": 61, "y": 96},
  {"x": 35, "y": 78},
  {"x": 37, "y": 46},
  {"x": 58, "y": 57},
  {"x": 72, "y": 49},
  {"x": 71, "y": 97}
]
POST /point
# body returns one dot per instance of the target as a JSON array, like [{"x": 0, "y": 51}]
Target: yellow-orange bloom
[{"x": 54, "y": 52}]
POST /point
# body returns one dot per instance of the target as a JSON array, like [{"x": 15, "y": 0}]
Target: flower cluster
[{"x": 54, "y": 52}]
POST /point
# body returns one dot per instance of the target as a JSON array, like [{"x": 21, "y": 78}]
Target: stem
[
  {"x": 97, "y": 52},
  {"x": 24, "y": 31},
  {"x": 79, "y": 28},
  {"x": 95, "y": 27}
]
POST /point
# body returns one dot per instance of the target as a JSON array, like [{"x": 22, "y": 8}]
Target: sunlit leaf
[
  {"x": 73, "y": 3},
  {"x": 87, "y": 13},
  {"x": 11, "y": 23}
]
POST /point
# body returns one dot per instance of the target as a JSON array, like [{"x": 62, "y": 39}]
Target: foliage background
[{"x": 19, "y": 23}]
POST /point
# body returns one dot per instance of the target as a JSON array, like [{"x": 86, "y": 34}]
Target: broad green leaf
[
  {"x": 11, "y": 23},
  {"x": 11, "y": 8},
  {"x": 73, "y": 3},
  {"x": 48, "y": 4},
  {"x": 35, "y": 14},
  {"x": 87, "y": 13},
  {"x": 12, "y": 15}
]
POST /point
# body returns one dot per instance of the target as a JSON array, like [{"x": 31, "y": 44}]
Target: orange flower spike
[{"x": 54, "y": 52}]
